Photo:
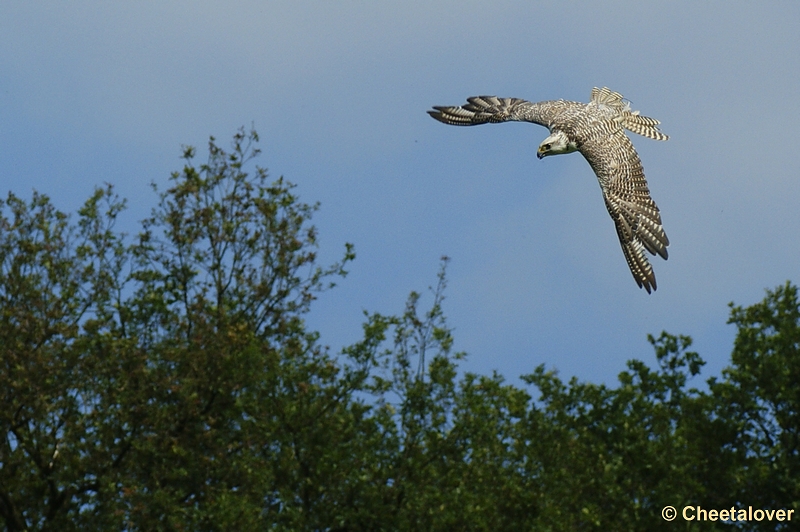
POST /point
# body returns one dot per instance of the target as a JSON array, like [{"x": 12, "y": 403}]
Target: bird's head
[{"x": 556, "y": 144}]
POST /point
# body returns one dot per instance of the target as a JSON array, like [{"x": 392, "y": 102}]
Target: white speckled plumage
[{"x": 597, "y": 130}]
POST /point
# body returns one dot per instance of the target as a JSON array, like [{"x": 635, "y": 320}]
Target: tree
[
  {"x": 612, "y": 458},
  {"x": 760, "y": 397},
  {"x": 169, "y": 382}
]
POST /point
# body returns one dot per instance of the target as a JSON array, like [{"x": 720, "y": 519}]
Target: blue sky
[{"x": 100, "y": 91}]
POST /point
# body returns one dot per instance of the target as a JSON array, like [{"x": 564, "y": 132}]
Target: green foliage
[
  {"x": 169, "y": 382},
  {"x": 761, "y": 397}
]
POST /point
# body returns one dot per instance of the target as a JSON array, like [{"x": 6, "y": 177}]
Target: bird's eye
[{"x": 546, "y": 146}]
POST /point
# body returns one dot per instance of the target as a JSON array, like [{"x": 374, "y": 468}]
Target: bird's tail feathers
[
  {"x": 631, "y": 120},
  {"x": 607, "y": 97},
  {"x": 642, "y": 125}
]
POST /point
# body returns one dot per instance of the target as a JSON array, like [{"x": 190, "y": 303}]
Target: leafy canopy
[{"x": 168, "y": 381}]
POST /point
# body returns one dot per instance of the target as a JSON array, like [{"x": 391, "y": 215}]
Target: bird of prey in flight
[{"x": 597, "y": 130}]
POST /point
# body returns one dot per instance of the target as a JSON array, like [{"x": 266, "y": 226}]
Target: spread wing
[
  {"x": 491, "y": 109},
  {"x": 601, "y": 139},
  {"x": 635, "y": 214}
]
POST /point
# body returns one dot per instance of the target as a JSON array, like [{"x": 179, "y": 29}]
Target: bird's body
[{"x": 597, "y": 131}]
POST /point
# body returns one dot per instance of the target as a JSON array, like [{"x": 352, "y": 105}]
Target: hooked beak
[{"x": 540, "y": 154}]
